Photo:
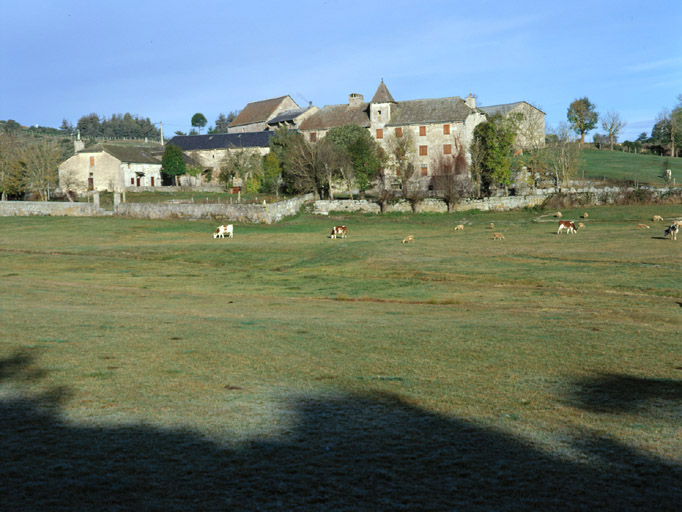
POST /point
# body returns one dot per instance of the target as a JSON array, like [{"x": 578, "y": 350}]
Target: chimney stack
[
  {"x": 470, "y": 101},
  {"x": 355, "y": 100}
]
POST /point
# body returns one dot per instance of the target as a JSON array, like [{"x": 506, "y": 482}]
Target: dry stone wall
[{"x": 47, "y": 208}]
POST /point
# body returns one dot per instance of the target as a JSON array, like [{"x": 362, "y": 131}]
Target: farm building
[{"x": 269, "y": 114}]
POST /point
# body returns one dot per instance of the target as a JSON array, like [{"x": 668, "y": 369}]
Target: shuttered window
[
  {"x": 422, "y": 131},
  {"x": 425, "y": 170},
  {"x": 422, "y": 151},
  {"x": 380, "y": 133},
  {"x": 92, "y": 161},
  {"x": 446, "y": 129},
  {"x": 313, "y": 137},
  {"x": 447, "y": 149},
  {"x": 398, "y": 132}
]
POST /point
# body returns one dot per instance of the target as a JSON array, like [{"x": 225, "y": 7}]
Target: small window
[
  {"x": 92, "y": 161},
  {"x": 422, "y": 131},
  {"x": 132, "y": 181},
  {"x": 446, "y": 129},
  {"x": 447, "y": 149},
  {"x": 422, "y": 151},
  {"x": 313, "y": 137},
  {"x": 380, "y": 133},
  {"x": 398, "y": 132},
  {"x": 152, "y": 181},
  {"x": 425, "y": 170}
]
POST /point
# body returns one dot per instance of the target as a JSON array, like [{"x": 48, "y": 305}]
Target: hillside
[{"x": 616, "y": 165}]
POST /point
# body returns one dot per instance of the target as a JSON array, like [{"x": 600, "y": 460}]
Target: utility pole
[{"x": 161, "y": 125}]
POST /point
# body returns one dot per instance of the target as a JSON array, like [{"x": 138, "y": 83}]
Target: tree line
[{"x": 118, "y": 126}]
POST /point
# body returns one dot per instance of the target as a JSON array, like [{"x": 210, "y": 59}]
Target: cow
[
  {"x": 672, "y": 231},
  {"x": 498, "y": 236},
  {"x": 221, "y": 231},
  {"x": 408, "y": 239},
  {"x": 585, "y": 215},
  {"x": 558, "y": 215},
  {"x": 339, "y": 231},
  {"x": 657, "y": 218},
  {"x": 642, "y": 226},
  {"x": 459, "y": 227},
  {"x": 581, "y": 225},
  {"x": 568, "y": 225}
]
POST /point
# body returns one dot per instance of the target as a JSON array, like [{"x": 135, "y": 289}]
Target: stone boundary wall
[
  {"x": 591, "y": 196},
  {"x": 48, "y": 208},
  {"x": 247, "y": 213},
  {"x": 173, "y": 188}
]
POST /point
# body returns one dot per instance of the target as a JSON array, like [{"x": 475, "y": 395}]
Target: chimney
[
  {"x": 355, "y": 100},
  {"x": 310, "y": 104},
  {"x": 470, "y": 101},
  {"x": 78, "y": 144}
]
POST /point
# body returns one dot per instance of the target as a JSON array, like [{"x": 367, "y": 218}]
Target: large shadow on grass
[{"x": 346, "y": 452}]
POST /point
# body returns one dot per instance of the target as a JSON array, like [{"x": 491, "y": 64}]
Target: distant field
[
  {"x": 145, "y": 365},
  {"x": 616, "y": 165}
]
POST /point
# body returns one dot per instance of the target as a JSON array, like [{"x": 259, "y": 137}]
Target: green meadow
[
  {"x": 639, "y": 168},
  {"x": 146, "y": 365}
]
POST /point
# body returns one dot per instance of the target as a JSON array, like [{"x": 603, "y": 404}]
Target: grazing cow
[
  {"x": 492, "y": 225},
  {"x": 642, "y": 226},
  {"x": 459, "y": 227},
  {"x": 568, "y": 225},
  {"x": 221, "y": 231},
  {"x": 581, "y": 225},
  {"x": 558, "y": 215},
  {"x": 585, "y": 215},
  {"x": 408, "y": 239},
  {"x": 339, "y": 231},
  {"x": 498, "y": 236},
  {"x": 672, "y": 231},
  {"x": 657, "y": 218}
]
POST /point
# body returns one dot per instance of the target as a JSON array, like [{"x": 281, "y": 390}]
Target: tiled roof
[
  {"x": 222, "y": 140},
  {"x": 382, "y": 95},
  {"x": 439, "y": 110},
  {"x": 330, "y": 116},
  {"x": 504, "y": 109},
  {"x": 257, "y": 111},
  {"x": 287, "y": 115},
  {"x": 148, "y": 154}
]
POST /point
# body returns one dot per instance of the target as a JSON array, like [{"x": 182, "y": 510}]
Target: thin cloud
[{"x": 656, "y": 64}]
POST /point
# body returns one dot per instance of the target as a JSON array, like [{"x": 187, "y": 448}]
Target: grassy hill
[{"x": 616, "y": 165}]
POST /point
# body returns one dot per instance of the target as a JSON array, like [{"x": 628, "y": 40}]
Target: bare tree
[
  {"x": 69, "y": 183},
  {"x": 384, "y": 193},
  {"x": 613, "y": 124},
  {"x": 241, "y": 163},
  {"x": 11, "y": 173},
  {"x": 564, "y": 156},
  {"x": 401, "y": 153},
  {"x": 451, "y": 175},
  {"x": 40, "y": 160}
]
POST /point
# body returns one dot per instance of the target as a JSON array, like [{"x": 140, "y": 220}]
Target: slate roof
[
  {"x": 149, "y": 154},
  {"x": 382, "y": 95},
  {"x": 330, "y": 116},
  {"x": 502, "y": 110},
  {"x": 287, "y": 115},
  {"x": 439, "y": 110},
  {"x": 257, "y": 111},
  {"x": 222, "y": 141}
]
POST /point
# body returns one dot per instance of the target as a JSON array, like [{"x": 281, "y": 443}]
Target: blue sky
[{"x": 168, "y": 60}]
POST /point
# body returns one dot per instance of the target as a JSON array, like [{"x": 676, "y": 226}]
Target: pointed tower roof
[{"x": 382, "y": 95}]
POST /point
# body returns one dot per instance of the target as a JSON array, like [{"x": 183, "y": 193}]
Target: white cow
[
  {"x": 221, "y": 231},
  {"x": 672, "y": 231}
]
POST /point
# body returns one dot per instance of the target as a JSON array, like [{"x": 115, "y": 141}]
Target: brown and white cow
[
  {"x": 498, "y": 236},
  {"x": 221, "y": 231},
  {"x": 568, "y": 225},
  {"x": 339, "y": 231}
]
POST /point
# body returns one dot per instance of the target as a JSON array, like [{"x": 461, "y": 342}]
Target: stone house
[
  {"x": 439, "y": 126},
  {"x": 255, "y": 116},
  {"x": 531, "y": 130},
  {"x": 112, "y": 167},
  {"x": 208, "y": 151}
]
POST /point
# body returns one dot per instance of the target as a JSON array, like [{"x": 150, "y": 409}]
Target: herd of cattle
[{"x": 567, "y": 225}]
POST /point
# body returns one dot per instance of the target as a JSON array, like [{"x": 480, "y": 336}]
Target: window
[
  {"x": 132, "y": 181},
  {"x": 380, "y": 133},
  {"x": 446, "y": 129},
  {"x": 447, "y": 149},
  {"x": 425, "y": 170},
  {"x": 422, "y": 131},
  {"x": 422, "y": 151},
  {"x": 313, "y": 137},
  {"x": 152, "y": 181},
  {"x": 398, "y": 132},
  {"x": 92, "y": 161}
]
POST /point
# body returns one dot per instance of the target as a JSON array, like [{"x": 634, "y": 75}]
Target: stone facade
[
  {"x": 111, "y": 167},
  {"x": 255, "y": 116},
  {"x": 531, "y": 129}
]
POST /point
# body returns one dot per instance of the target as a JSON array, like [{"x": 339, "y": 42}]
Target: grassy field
[
  {"x": 619, "y": 166},
  {"x": 146, "y": 365}
]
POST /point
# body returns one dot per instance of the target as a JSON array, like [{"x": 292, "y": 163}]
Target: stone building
[
  {"x": 208, "y": 151},
  {"x": 439, "y": 126},
  {"x": 256, "y": 115},
  {"x": 531, "y": 129},
  {"x": 112, "y": 167}
]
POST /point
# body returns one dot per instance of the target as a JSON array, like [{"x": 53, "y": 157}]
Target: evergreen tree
[{"x": 172, "y": 163}]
